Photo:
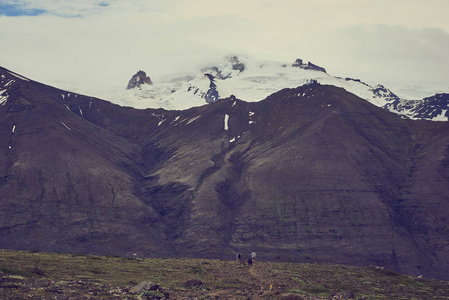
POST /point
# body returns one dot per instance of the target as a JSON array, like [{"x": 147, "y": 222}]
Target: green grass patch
[
  {"x": 197, "y": 270},
  {"x": 152, "y": 295},
  {"x": 13, "y": 271},
  {"x": 316, "y": 290}
]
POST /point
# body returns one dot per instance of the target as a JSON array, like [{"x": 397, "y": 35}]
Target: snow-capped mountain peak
[
  {"x": 249, "y": 80},
  {"x": 240, "y": 76}
]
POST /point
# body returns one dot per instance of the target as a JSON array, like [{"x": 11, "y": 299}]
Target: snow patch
[
  {"x": 160, "y": 122},
  {"x": 251, "y": 122},
  {"x": 66, "y": 126},
  {"x": 193, "y": 119},
  {"x": 442, "y": 116},
  {"x": 233, "y": 104},
  {"x": 226, "y": 122},
  {"x": 251, "y": 113},
  {"x": 18, "y": 76},
  {"x": 3, "y": 98},
  {"x": 66, "y": 106},
  {"x": 13, "y": 129},
  {"x": 232, "y": 140},
  {"x": 9, "y": 83}
]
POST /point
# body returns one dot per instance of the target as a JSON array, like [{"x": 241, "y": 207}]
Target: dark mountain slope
[
  {"x": 309, "y": 174},
  {"x": 320, "y": 176},
  {"x": 338, "y": 183},
  {"x": 68, "y": 185}
]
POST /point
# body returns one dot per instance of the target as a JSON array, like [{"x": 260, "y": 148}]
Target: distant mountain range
[
  {"x": 309, "y": 174},
  {"x": 253, "y": 81}
]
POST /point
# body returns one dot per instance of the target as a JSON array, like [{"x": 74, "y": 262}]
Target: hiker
[
  {"x": 239, "y": 257},
  {"x": 250, "y": 262}
]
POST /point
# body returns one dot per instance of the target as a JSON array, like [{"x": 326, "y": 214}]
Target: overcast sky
[{"x": 83, "y": 44}]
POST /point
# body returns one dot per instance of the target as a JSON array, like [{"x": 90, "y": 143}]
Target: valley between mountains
[{"x": 310, "y": 174}]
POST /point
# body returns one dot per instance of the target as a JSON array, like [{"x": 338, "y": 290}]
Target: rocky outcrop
[
  {"x": 298, "y": 63},
  {"x": 225, "y": 71},
  {"x": 212, "y": 93},
  {"x": 309, "y": 66},
  {"x": 236, "y": 64},
  {"x": 431, "y": 108},
  {"x": 380, "y": 91},
  {"x": 138, "y": 79},
  {"x": 145, "y": 286}
]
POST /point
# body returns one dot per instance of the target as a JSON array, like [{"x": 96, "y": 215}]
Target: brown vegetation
[{"x": 74, "y": 276}]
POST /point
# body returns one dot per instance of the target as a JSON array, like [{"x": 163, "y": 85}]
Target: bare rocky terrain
[{"x": 311, "y": 174}]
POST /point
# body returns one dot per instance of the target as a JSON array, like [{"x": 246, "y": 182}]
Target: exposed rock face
[
  {"x": 138, "y": 79},
  {"x": 430, "y": 108},
  {"x": 145, "y": 286},
  {"x": 382, "y": 92},
  {"x": 354, "y": 79},
  {"x": 225, "y": 71},
  {"x": 212, "y": 93},
  {"x": 298, "y": 63},
  {"x": 311, "y": 174},
  {"x": 309, "y": 66},
  {"x": 236, "y": 64}
]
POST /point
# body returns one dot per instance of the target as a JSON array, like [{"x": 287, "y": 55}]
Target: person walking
[{"x": 250, "y": 262}]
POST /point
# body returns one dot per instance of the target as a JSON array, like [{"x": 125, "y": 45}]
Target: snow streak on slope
[{"x": 4, "y": 85}]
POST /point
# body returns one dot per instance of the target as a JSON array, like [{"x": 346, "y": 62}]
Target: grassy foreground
[{"x": 28, "y": 275}]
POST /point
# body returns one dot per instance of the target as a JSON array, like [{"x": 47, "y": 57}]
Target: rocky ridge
[{"x": 429, "y": 108}]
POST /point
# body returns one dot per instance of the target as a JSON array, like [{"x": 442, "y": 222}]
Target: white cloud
[
  {"x": 376, "y": 40},
  {"x": 391, "y": 55}
]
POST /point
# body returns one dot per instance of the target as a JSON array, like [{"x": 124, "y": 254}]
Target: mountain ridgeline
[
  {"x": 310, "y": 174},
  {"x": 253, "y": 81}
]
